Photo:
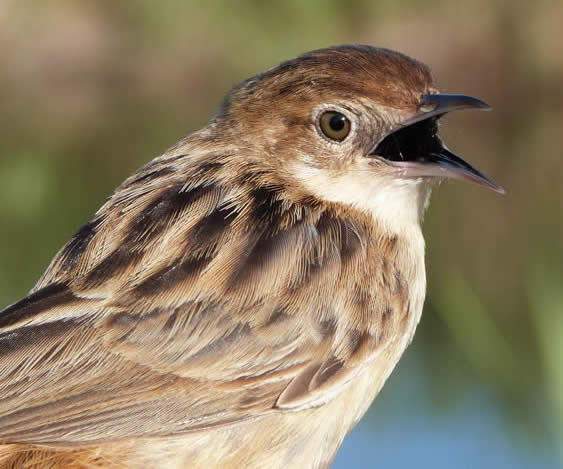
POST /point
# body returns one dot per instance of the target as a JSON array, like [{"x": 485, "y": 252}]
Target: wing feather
[{"x": 183, "y": 306}]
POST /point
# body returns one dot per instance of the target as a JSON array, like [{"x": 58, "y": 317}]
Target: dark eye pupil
[
  {"x": 334, "y": 125},
  {"x": 337, "y": 122}
]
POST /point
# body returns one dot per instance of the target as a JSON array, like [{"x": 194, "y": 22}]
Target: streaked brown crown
[{"x": 386, "y": 77}]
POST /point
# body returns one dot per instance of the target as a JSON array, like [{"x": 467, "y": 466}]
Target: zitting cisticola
[{"x": 240, "y": 300}]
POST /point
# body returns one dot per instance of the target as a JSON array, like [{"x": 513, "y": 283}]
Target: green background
[{"x": 90, "y": 91}]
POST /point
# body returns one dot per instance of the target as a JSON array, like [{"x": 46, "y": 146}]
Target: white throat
[{"x": 397, "y": 204}]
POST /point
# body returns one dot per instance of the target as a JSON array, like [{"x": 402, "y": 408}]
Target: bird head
[{"x": 353, "y": 125}]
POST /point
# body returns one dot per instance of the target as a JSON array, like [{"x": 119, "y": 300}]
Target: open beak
[{"x": 417, "y": 151}]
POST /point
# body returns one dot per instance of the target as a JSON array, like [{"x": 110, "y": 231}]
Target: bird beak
[
  {"x": 446, "y": 164},
  {"x": 432, "y": 158},
  {"x": 438, "y": 104}
]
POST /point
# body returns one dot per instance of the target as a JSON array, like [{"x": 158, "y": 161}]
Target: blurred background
[{"x": 91, "y": 90}]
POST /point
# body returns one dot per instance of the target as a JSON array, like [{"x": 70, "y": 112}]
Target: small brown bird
[{"x": 240, "y": 300}]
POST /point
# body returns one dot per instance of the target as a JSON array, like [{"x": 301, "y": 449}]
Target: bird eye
[{"x": 334, "y": 125}]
